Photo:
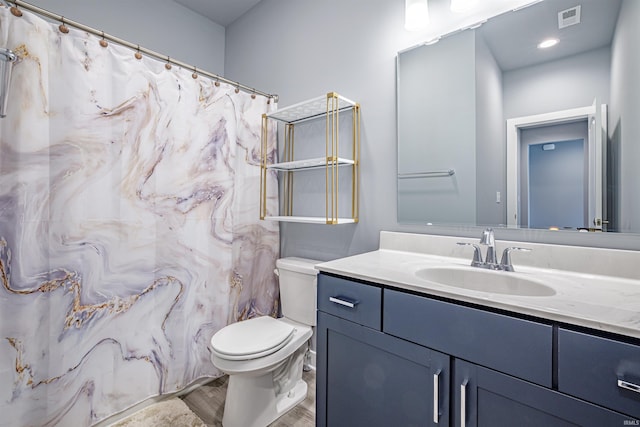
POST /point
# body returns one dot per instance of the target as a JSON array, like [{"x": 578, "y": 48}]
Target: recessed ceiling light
[{"x": 548, "y": 43}]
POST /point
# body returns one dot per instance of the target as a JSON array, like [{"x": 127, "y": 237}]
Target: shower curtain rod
[{"x": 135, "y": 47}]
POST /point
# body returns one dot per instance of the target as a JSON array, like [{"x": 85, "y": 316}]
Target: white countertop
[{"x": 599, "y": 301}]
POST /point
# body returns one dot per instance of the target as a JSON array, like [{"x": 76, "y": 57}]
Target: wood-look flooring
[{"x": 207, "y": 402}]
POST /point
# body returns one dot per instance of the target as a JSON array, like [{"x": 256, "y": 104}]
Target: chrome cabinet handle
[
  {"x": 343, "y": 301},
  {"x": 436, "y": 396},
  {"x": 629, "y": 386},
  {"x": 463, "y": 404}
]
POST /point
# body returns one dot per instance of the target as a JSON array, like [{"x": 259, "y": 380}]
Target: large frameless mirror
[{"x": 494, "y": 130}]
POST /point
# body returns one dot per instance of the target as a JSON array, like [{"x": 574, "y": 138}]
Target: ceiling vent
[{"x": 569, "y": 17}]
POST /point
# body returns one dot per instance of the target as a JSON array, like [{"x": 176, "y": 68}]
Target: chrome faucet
[{"x": 487, "y": 239}]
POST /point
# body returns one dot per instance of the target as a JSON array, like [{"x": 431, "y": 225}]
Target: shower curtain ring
[
  {"x": 195, "y": 73},
  {"x": 168, "y": 64},
  {"x": 138, "y": 55},
  {"x": 217, "y": 83},
  {"x": 103, "y": 42},
  {"x": 237, "y": 87},
  {"x": 63, "y": 28},
  {"x": 15, "y": 11},
  {"x": 253, "y": 94}
]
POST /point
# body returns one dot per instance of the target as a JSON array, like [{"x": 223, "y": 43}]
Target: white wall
[
  {"x": 163, "y": 26},
  {"x": 624, "y": 128},
  {"x": 301, "y": 49}
]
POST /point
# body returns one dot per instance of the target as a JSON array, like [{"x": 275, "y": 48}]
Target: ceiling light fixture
[
  {"x": 461, "y": 6},
  {"x": 416, "y": 15},
  {"x": 548, "y": 43}
]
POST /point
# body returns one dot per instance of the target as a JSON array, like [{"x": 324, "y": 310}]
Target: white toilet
[{"x": 264, "y": 356}]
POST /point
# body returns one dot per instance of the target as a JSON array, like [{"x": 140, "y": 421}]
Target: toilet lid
[{"x": 252, "y": 338}]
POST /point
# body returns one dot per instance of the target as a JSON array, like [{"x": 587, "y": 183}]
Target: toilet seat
[{"x": 252, "y": 338}]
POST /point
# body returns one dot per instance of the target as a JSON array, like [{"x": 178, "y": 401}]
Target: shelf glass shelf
[
  {"x": 307, "y": 110},
  {"x": 309, "y": 219},
  {"x": 326, "y": 107},
  {"x": 306, "y": 164}
]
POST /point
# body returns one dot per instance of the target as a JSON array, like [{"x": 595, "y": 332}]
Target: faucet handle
[
  {"x": 477, "y": 254},
  {"x": 505, "y": 263}
]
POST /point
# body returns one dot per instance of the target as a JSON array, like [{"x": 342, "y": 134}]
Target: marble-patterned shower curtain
[{"x": 129, "y": 228}]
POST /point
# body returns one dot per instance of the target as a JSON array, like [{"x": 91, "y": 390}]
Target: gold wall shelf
[{"x": 324, "y": 107}]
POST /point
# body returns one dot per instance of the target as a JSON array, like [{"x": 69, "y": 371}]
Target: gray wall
[
  {"x": 490, "y": 136},
  {"x": 301, "y": 49},
  {"x": 558, "y": 85},
  {"x": 624, "y": 128},
  {"x": 163, "y": 26}
]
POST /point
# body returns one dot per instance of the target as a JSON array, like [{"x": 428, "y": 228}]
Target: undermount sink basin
[{"x": 477, "y": 279}]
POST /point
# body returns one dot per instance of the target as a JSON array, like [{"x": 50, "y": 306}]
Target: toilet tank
[{"x": 298, "y": 283}]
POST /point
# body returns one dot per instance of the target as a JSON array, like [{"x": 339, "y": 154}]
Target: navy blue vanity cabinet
[
  {"x": 367, "y": 378},
  {"x": 388, "y": 357}
]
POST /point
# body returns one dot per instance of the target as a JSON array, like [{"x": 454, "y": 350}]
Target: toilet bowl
[{"x": 264, "y": 357}]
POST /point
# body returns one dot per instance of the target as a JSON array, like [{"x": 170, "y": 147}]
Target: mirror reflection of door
[
  {"x": 554, "y": 176},
  {"x": 557, "y": 185},
  {"x": 587, "y": 124}
]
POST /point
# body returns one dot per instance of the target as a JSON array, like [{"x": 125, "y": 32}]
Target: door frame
[{"x": 595, "y": 149}]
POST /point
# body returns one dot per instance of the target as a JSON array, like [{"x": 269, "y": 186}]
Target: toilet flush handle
[{"x": 275, "y": 271}]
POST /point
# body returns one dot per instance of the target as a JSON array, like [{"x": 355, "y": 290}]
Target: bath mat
[{"x": 169, "y": 413}]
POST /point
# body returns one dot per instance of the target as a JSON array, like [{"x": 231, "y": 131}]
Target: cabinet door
[
  {"x": 486, "y": 398},
  {"x": 367, "y": 378}
]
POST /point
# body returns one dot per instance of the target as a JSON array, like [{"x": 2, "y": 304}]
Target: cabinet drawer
[
  {"x": 349, "y": 300},
  {"x": 591, "y": 368},
  {"x": 518, "y": 347}
]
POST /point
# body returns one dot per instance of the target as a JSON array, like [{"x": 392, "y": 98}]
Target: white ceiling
[
  {"x": 222, "y": 12},
  {"x": 513, "y": 37},
  {"x": 512, "y": 40}
]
